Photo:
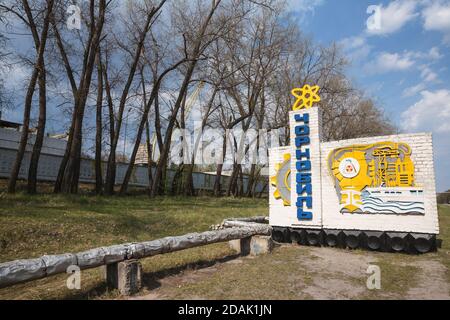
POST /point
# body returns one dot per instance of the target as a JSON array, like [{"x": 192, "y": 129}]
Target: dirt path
[
  {"x": 432, "y": 283},
  {"x": 294, "y": 272}
]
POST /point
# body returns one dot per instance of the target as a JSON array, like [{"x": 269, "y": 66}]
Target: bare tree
[
  {"x": 259, "y": 51},
  {"x": 144, "y": 120},
  {"x": 69, "y": 171},
  {"x": 198, "y": 38},
  {"x": 151, "y": 14},
  {"x": 245, "y": 53},
  {"x": 99, "y": 128},
  {"x": 40, "y": 41}
]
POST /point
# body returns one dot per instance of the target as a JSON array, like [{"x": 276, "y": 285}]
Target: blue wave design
[{"x": 372, "y": 204}]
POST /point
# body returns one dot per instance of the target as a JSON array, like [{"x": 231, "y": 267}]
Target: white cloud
[
  {"x": 394, "y": 16},
  {"x": 387, "y": 62},
  {"x": 436, "y": 17},
  {"x": 14, "y": 73},
  {"x": 303, "y": 8},
  {"x": 427, "y": 74},
  {"x": 434, "y": 53},
  {"x": 430, "y": 113},
  {"x": 304, "y": 5},
  {"x": 356, "y": 48},
  {"x": 412, "y": 91}
]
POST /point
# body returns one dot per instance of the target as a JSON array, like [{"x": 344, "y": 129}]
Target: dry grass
[
  {"x": 295, "y": 272},
  {"x": 31, "y": 226}
]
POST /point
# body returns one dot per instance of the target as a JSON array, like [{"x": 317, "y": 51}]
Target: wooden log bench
[{"x": 123, "y": 269}]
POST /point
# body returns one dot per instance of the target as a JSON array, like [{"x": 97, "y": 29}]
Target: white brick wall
[
  {"x": 280, "y": 215},
  {"x": 422, "y": 156},
  {"x": 315, "y": 134},
  {"x": 326, "y": 212},
  {"x": 287, "y": 216}
]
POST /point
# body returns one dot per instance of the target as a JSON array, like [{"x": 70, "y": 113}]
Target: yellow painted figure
[
  {"x": 378, "y": 165},
  {"x": 282, "y": 180},
  {"x": 306, "y": 97}
]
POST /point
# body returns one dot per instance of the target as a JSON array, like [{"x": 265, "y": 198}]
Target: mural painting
[
  {"x": 282, "y": 180},
  {"x": 376, "y": 179},
  {"x": 369, "y": 192}
]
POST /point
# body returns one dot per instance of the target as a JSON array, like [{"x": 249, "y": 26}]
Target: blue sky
[{"x": 404, "y": 63}]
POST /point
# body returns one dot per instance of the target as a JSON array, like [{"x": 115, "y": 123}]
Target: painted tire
[
  {"x": 422, "y": 245},
  {"x": 374, "y": 243},
  {"x": 331, "y": 240},
  {"x": 278, "y": 236},
  {"x": 313, "y": 239},
  {"x": 398, "y": 244},
  {"x": 296, "y": 237},
  {"x": 352, "y": 241}
]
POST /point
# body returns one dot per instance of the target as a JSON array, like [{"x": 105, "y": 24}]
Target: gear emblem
[{"x": 282, "y": 180}]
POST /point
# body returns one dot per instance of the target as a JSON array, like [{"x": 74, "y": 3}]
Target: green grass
[
  {"x": 444, "y": 225},
  {"x": 279, "y": 275},
  {"x": 31, "y": 226},
  {"x": 397, "y": 276},
  {"x": 291, "y": 271}
]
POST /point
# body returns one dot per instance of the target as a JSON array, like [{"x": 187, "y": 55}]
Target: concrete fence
[
  {"x": 53, "y": 151},
  {"x": 443, "y": 198}
]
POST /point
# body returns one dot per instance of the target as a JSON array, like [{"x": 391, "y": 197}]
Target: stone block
[
  {"x": 260, "y": 245},
  {"x": 241, "y": 246},
  {"x": 126, "y": 276}
]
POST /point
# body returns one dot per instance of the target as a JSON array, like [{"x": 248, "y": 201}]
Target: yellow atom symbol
[{"x": 306, "y": 97}]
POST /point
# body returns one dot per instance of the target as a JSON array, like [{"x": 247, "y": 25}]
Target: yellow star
[{"x": 306, "y": 97}]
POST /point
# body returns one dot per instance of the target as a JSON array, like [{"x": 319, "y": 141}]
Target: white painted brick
[{"x": 325, "y": 200}]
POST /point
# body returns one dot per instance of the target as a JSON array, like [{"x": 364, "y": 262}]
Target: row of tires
[{"x": 413, "y": 243}]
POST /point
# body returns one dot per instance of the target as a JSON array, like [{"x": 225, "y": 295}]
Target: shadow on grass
[{"x": 150, "y": 281}]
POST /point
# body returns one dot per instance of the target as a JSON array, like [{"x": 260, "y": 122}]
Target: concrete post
[
  {"x": 126, "y": 276},
  {"x": 261, "y": 245},
  {"x": 241, "y": 246}
]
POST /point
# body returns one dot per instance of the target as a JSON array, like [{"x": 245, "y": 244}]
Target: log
[
  {"x": 262, "y": 228},
  {"x": 19, "y": 271},
  {"x": 228, "y": 222},
  {"x": 257, "y": 219}
]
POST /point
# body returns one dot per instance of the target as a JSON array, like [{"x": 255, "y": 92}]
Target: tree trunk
[
  {"x": 250, "y": 181},
  {"x": 232, "y": 182},
  {"x": 189, "y": 181},
  {"x": 149, "y": 157},
  {"x": 98, "y": 134},
  {"x": 65, "y": 159},
  {"x": 111, "y": 168},
  {"x": 217, "y": 182},
  {"x": 72, "y": 170},
  {"x": 111, "y": 122},
  {"x": 158, "y": 123},
  {"x": 240, "y": 190},
  {"x": 70, "y": 75},
  {"x": 162, "y": 163},
  {"x": 34, "y": 162},
  {"x": 30, "y": 92},
  {"x": 144, "y": 120}
]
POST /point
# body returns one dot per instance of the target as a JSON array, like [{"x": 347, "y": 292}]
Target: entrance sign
[
  {"x": 303, "y": 166},
  {"x": 383, "y": 184}
]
